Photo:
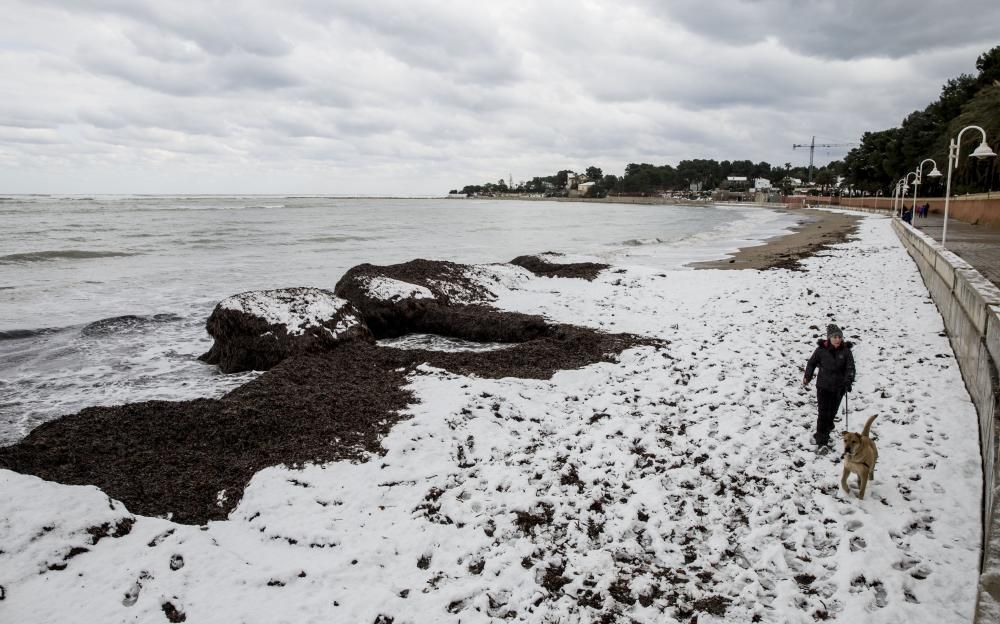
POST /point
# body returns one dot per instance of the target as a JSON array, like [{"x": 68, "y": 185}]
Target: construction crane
[{"x": 812, "y": 149}]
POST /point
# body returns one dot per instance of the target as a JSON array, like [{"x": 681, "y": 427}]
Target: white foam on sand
[{"x": 674, "y": 482}]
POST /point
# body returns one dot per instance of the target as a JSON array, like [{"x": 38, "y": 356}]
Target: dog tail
[{"x": 868, "y": 425}]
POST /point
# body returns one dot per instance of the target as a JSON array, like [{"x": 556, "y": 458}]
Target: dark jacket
[{"x": 836, "y": 366}]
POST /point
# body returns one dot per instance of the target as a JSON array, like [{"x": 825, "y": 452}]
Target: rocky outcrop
[
  {"x": 257, "y": 330},
  {"x": 435, "y": 297},
  {"x": 543, "y": 267}
]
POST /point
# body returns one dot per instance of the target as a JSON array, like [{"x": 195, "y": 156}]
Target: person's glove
[{"x": 849, "y": 386}]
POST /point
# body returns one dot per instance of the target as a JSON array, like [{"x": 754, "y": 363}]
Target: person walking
[{"x": 835, "y": 362}]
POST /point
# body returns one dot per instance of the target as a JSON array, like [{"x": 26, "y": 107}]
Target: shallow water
[{"x": 103, "y": 299}]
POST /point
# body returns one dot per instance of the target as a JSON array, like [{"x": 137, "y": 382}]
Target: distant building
[
  {"x": 696, "y": 186},
  {"x": 760, "y": 184},
  {"x": 574, "y": 180},
  {"x": 736, "y": 183},
  {"x": 582, "y": 189},
  {"x": 767, "y": 196}
]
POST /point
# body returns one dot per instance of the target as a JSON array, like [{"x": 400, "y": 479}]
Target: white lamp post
[
  {"x": 916, "y": 182},
  {"x": 896, "y": 193},
  {"x": 983, "y": 151},
  {"x": 877, "y": 193},
  {"x": 906, "y": 187}
]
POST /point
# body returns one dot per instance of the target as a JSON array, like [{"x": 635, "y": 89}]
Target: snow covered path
[{"x": 675, "y": 482}]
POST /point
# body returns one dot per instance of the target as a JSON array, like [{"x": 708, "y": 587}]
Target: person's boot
[{"x": 822, "y": 443}]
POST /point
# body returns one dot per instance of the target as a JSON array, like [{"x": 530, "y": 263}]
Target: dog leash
[{"x": 847, "y": 413}]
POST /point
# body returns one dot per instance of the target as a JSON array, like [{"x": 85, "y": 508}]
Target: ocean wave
[
  {"x": 335, "y": 239},
  {"x": 128, "y": 322},
  {"x": 61, "y": 254},
  {"x": 21, "y": 334},
  {"x": 639, "y": 242}
]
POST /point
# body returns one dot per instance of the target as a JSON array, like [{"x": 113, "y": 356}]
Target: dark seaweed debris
[
  {"x": 544, "y": 268},
  {"x": 191, "y": 460}
]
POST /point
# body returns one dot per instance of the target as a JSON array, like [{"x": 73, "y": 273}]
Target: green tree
[
  {"x": 988, "y": 66},
  {"x": 594, "y": 173},
  {"x": 824, "y": 177}
]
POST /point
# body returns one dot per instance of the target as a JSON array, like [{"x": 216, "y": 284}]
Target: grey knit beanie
[{"x": 832, "y": 330}]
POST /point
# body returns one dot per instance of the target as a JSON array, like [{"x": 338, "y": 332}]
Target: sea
[{"x": 103, "y": 299}]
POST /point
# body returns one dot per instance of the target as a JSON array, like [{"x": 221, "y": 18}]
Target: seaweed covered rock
[
  {"x": 437, "y": 297},
  {"x": 542, "y": 266},
  {"x": 256, "y": 330}
]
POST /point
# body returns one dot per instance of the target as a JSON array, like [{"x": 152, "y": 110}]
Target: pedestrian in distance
[
  {"x": 835, "y": 362},
  {"x": 908, "y": 216}
]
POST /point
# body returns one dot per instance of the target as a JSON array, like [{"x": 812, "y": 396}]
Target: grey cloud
[
  {"x": 38, "y": 136},
  {"x": 215, "y": 76},
  {"x": 392, "y": 95},
  {"x": 846, "y": 29},
  {"x": 458, "y": 42},
  {"x": 37, "y": 117},
  {"x": 216, "y": 32},
  {"x": 177, "y": 118}
]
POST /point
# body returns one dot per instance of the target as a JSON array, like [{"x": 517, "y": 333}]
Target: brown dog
[{"x": 860, "y": 456}]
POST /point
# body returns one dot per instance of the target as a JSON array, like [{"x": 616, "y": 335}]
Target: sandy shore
[{"x": 817, "y": 230}]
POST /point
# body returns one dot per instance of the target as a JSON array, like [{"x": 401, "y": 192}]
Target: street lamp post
[
  {"x": 916, "y": 181},
  {"x": 877, "y": 193},
  {"x": 895, "y": 199},
  {"x": 983, "y": 151},
  {"x": 905, "y": 187}
]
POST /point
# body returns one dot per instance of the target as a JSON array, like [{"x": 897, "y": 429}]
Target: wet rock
[{"x": 257, "y": 330}]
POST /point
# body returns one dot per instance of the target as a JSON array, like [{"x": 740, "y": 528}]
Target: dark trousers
[{"x": 829, "y": 402}]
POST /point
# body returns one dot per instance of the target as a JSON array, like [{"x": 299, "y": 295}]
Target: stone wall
[
  {"x": 976, "y": 209},
  {"x": 970, "y": 306}
]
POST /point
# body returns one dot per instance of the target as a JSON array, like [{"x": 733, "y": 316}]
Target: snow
[
  {"x": 298, "y": 309},
  {"x": 434, "y": 342},
  {"x": 388, "y": 289},
  {"x": 667, "y": 484}
]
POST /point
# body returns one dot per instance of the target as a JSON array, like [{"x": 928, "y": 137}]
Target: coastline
[{"x": 818, "y": 230}]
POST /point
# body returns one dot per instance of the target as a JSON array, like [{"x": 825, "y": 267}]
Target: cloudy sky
[{"x": 412, "y": 97}]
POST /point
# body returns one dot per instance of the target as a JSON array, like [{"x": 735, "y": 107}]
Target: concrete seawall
[{"x": 970, "y": 306}]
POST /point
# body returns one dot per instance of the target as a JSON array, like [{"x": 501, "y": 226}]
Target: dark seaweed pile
[{"x": 323, "y": 402}]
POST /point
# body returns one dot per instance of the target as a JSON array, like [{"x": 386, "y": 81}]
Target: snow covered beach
[{"x": 676, "y": 481}]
